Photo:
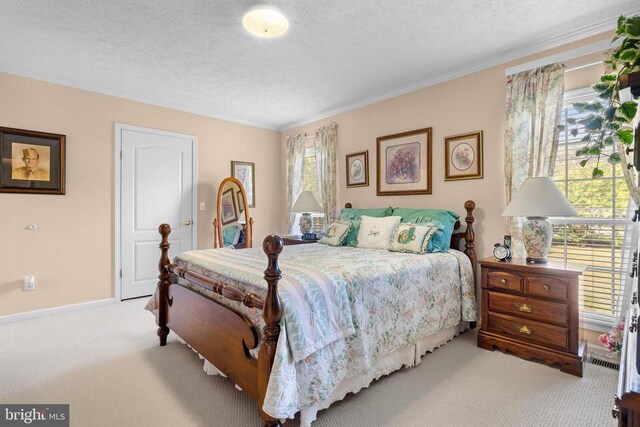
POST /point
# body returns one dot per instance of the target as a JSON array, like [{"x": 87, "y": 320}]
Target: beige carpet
[{"x": 107, "y": 365}]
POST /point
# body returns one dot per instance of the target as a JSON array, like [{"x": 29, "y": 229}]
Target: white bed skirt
[{"x": 406, "y": 356}]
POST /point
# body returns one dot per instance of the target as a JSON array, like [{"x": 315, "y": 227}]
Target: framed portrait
[
  {"x": 240, "y": 201},
  {"x": 245, "y": 172},
  {"x": 404, "y": 163},
  {"x": 463, "y": 156},
  {"x": 228, "y": 207},
  {"x": 358, "y": 169},
  {"x": 31, "y": 162}
]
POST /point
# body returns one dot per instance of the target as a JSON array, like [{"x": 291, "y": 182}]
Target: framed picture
[
  {"x": 228, "y": 207},
  {"x": 404, "y": 163},
  {"x": 463, "y": 156},
  {"x": 240, "y": 201},
  {"x": 32, "y": 162},
  {"x": 245, "y": 172},
  {"x": 358, "y": 169}
]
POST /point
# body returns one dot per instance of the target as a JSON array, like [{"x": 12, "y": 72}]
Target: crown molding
[{"x": 512, "y": 55}]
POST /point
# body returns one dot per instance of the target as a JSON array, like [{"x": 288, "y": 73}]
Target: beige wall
[
  {"x": 470, "y": 103},
  {"x": 71, "y": 254}
]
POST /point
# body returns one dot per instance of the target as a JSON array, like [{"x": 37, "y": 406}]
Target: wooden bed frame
[{"x": 227, "y": 345}]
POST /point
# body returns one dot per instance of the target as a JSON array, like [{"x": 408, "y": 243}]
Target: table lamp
[
  {"x": 306, "y": 204},
  {"x": 537, "y": 199}
]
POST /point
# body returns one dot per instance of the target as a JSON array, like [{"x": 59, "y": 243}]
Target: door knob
[{"x": 186, "y": 222}]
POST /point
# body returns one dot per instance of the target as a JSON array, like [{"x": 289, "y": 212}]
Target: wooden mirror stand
[{"x": 232, "y": 211}]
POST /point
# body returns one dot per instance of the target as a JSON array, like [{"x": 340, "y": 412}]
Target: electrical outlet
[{"x": 29, "y": 283}]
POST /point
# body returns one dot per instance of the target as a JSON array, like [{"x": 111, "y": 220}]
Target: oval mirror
[{"x": 233, "y": 225}]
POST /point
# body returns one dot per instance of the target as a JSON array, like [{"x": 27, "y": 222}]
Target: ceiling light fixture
[{"x": 265, "y": 21}]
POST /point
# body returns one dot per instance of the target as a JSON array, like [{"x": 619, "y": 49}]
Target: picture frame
[
  {"x": 240, "y": 201},
  {"x": 228, "y": 208},
  {"x": 32, "y": 162},
  {"x": 463, "y": 156},
  {"x": 245, "y": 172},
  {"x": 404, "y": 163},
  {"x": 357, "y": 167}
]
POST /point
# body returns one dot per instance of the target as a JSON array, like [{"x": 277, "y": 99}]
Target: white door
[{"x": 157, "y": 186}]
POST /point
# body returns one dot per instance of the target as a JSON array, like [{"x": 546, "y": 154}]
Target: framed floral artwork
[
  {"x": 31, "y": 162},
  {"x": 228, "y": 207},
  {"x": 245, "y": 172},
  {"x": 358, "y": 169},
  {"x": 463, "y": 156},
  {"x": 404, "y": 163}
]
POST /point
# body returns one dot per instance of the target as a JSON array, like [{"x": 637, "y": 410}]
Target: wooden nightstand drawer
[
  {"x": 547, "y": 287},
  {"x": 544, "y": 311},
  {"x": 504, "y": 280},
  {"x": 530, "y": 330}
]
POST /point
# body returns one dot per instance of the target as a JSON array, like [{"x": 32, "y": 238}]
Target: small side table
[{"x": 296, "y": 240}]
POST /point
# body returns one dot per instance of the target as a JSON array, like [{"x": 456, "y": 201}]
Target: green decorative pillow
[
  {"x": 335, "y": 234},
  {"x": 442, "y": 219},
  {"x": 412, "y": 238},
  {"x": 353, "y": 215}
]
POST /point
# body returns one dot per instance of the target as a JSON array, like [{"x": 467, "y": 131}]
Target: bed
[{"x": 318, "y": 343}]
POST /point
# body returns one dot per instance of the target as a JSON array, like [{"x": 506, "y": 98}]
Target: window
[
  {"x": 310, "y": 183},
  {"x": 595, "y": 238}
]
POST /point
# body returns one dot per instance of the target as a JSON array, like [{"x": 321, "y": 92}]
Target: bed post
[
  {"x": 469, "y": 246},
  {"x": 272, "y": 312},
  {"x": 164, "y": 280}
]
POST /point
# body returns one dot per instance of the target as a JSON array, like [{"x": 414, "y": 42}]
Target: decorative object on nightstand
[
  {"x": 306, "y": 204},
  {"x": 537, "y": 199},
  {"x": 532, "y": 310},
  {"x": 296, "y": 240}
]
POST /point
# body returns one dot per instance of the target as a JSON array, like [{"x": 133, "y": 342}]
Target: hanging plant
[{"x": 610, "y": 119}]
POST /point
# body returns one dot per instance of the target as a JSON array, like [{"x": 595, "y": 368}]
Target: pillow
[
  {"x": 375, "y": 233},
  {"x": 231, "y": 234},
  {"x": 354, "y": 215},
  {"x": 444, "y": 220},
  {"x": 336, "y": 233},
  {"x": 413, "y": 238}
]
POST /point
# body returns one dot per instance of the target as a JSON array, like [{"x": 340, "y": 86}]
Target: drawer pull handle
[
  {"x": 503, "y": 281},
  {"x": 546, "y": 287},
  {"x": 525, "y": 330},
  {"x": 524, "y": 308}
]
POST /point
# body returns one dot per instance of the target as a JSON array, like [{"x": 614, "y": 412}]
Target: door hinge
[
  {"x": 121, "y": 274},
  {"x": 120, "y": 154}
]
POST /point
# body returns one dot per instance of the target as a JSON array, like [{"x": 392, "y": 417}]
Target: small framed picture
[
  {"x": 245, "y": 172},
  {"x": 404, "y": 163},
  {"x": 228, "y": 207},
  {"x": 358, "y": 169},
  {"x": 31, "y": 162},
  {"x": 463, "y": 156},
  {"x": 240, "y": 201}
]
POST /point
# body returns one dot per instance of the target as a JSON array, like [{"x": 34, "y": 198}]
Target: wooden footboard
[{"x": 227, "y": 345}]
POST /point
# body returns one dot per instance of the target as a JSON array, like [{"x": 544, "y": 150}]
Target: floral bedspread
[{"x": 393, "y": 299}]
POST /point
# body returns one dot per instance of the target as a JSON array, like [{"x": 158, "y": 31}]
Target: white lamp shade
[
  {"x": 539, "y": 197},
  {"x": 306, "y": 202}
]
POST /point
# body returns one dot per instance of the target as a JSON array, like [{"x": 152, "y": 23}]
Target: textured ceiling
[{"x": 195, "y": 55}]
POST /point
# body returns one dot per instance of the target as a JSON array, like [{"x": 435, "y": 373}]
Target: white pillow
[
  {"x": 375, "y": 233},
  {"x": 335, "y": 234},
  {"x": 412, "y": 238}
]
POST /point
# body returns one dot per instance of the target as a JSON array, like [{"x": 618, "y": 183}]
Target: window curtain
[
  {"x": 533, "y": 110},
  {"x": 325, "y": 148},
  {"x": 295, "y": 169}
]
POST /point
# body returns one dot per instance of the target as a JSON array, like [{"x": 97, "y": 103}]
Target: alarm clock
[{"x": 501, "y": 251}]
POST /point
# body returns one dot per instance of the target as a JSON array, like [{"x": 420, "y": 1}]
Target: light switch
[{"x": 202, "y": 206}]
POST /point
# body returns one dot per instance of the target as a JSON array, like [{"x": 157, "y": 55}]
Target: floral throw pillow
[
  {"x": 412, "y": 238},
  {"x": 375, "y": 233},
  {"x": 336, "y": 233}
]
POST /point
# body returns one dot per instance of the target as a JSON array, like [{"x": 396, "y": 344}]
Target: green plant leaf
[
  {"x": 609, "y": 77},
  {"x": 610, "y": 113},
  {"x": 602, "y": 87},
  {"x": 614, "y": 158},
  {"x": 586, "y": 138},
  {"x": 628, "y": 55},
  {"x": 625, "y": 136},
  {"x": 628, "y": 110},
  {"x": 561, "y": 128},
  {"x": 571, "y": 120},
  {"x": 580, "y": 107},
  {"x": 597, "y": 173},
  {"x": 583, "y": 163},
  {"x": 595, "y": 106},
  {"x": 632, "y": 28},
  {"x": 608, "y": 140},
  {"x": 582, "y": 151},
  {"x": 594, "y": 124},
  {"x": 594, "y": 150},
  {"x": 574, "y": 132}
]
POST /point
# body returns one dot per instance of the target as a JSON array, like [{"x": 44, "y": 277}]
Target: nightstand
[
  {"x": 532, "y": 311},
  {"x": 296, "y": 240}
]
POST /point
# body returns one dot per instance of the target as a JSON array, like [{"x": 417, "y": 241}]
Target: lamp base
[
  {"x": 305, "y": 223},
  {"x": 536, "y": 237}
]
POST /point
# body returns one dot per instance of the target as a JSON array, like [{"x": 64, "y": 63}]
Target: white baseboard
[{"x": 9, "y": 318}]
